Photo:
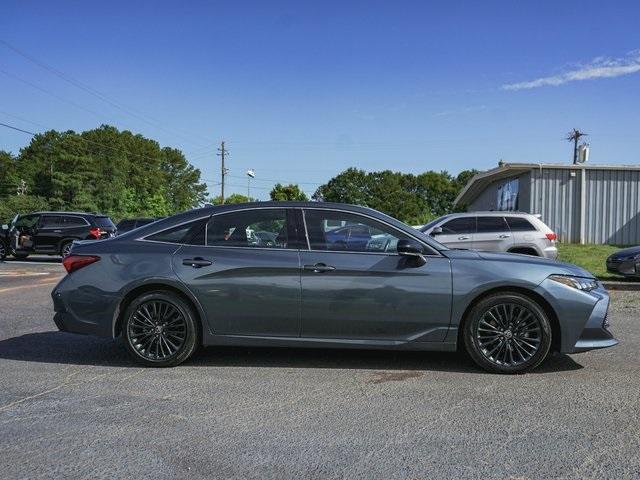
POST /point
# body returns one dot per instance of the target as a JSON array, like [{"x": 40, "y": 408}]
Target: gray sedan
[{"x": 198, "y": 279}]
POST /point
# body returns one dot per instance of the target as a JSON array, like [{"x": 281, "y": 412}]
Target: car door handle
[
  {"x": 504, "y": 235},
  {"x": 464, "y": 237},
  {"x": 57, "y": 231},
  {"x": 319, "y": 268},
  {"x": 197, "y": 262}
]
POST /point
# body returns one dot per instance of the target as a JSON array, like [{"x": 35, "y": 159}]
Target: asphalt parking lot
[{"x": 76, "y": 407}]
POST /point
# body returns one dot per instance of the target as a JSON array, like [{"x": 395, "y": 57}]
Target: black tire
[
  {"x": 4, "y": 251},
  {"x": 156, "y": 322},
  {"x": 20, "y": 256},
  {"x": 65, "y": 248},
  {"x": 507, "y": 333}
]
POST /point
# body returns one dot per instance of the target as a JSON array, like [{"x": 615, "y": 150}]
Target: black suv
[{"x": 52, "y": 233}]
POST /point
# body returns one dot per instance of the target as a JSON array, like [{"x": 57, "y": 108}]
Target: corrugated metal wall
[
  {"x": 612, "y": 214},
  {"x": 613, "y": 207},
  {"x": 555, "y": 194}
]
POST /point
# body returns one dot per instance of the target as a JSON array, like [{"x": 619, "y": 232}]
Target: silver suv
[{"x": 514, "y": 232}]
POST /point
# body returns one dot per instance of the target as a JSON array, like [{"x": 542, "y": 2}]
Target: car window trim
[{"x": 435, "y": 253}]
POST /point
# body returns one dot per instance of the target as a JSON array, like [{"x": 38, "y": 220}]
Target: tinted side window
[
  {"x": 519, "y": 224},
  {"x": 27, "y": 221},
  {"x": 459, "y": 225},
  {"x": 191, "y": 233},
  {"x": 491, "y": 224},
  {"x": 342, "y": 231},
  {"x": 51, "y": 221},
  {"x": 264, "y": 228},
  {"x": 74, "y": 222}
]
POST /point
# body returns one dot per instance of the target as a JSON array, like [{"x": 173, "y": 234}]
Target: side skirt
[{"x": 298, "y": 342}]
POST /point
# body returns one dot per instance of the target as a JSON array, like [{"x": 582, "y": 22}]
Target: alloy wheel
[
  {"x": 157, "y": 330},
  {"x": 508, "y": 334},
  {"x": 66, "y": 250}
]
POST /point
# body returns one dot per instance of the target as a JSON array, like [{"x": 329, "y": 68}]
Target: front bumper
[
  {"x": 596, "y": 332},
  {"x": 582, "y": 316},
  {"x": 628, "y": 268}
]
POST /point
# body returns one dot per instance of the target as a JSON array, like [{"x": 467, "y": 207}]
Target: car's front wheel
[
  {"x": 160, "y": 329},
  {"x": 507, "y": 333}
]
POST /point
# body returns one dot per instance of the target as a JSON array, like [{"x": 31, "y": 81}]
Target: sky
[{"x": 302, "y": 90}]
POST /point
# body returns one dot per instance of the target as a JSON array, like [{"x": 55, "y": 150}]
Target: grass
[{"x": 590, "y": 257}]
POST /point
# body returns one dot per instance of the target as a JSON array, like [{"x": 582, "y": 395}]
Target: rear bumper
[{"x": 88, "y": 314}]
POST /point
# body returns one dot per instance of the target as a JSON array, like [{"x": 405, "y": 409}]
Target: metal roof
[{"x": 482, "y": 180}]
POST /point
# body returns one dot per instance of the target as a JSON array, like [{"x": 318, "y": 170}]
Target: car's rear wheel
[
  {"x": 507, "y": 333},
  {"x": 20, "y": 256},
  {"x": 3, "y": 250},
  {"x": 160, "y": 329}
]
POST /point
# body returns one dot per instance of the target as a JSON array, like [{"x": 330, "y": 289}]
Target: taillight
[
  {"x": 76, "y": 262},
  {"x": 551, "y": 236},
  {"x": 94, "y": 232}
]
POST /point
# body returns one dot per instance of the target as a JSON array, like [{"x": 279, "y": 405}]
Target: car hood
[
  {"x": 626, "y": 252},
  {"x": 554, "y": 266}
]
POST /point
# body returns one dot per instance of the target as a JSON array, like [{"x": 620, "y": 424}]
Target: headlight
[{"x": 580, "y": 283}]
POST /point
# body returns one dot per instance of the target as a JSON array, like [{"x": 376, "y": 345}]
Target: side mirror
[
  {"x": 436, "y": 231},
  {"x": 5, "y": 226},
  {"x": 413, "y": 250}
]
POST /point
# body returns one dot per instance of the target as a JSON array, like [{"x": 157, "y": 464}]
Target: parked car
[
  {"x": 625, "y": 262},
  {"x": 197, "y": 279},
  {"x": 52, "y": 233},
  {"x": 129, "y": 224},
  {"x": 513, "y": 232},
  {"x": 4, "y": 241}
]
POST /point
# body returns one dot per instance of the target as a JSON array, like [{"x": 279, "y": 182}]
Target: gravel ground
[{"x": 76, "y": 407}]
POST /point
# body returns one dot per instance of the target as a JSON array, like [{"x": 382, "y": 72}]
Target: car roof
[
  {"x": 88, "y": 214},
  {"x": 489, "y": 213}
]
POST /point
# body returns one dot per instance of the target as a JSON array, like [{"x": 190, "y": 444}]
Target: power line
[
  {"x": 90, "y": 90},
  {"x": 277, "y": 181}
]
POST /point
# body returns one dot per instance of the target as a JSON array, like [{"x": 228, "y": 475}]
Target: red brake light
[
  {"x": 551, "y": 236},
  {"x": 76, "y": 262},
  {"x": 94, "y": 232}
]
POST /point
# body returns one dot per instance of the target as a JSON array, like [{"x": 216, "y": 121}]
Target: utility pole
[
  {"x": 573, "y": 136},
  {"x": 223, "y": 170}
]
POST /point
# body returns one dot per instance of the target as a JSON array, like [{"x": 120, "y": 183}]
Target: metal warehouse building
[{"x": 581, "y": 203}]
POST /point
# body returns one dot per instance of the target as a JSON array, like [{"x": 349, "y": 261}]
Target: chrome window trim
[{"x": 435, "y": 253}]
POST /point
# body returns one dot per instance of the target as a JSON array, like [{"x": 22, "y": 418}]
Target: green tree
[
  {"x": 414, "y": 199},
  {"x": 291, "y": 192},
  {"x": 115, "y": 172},
  {"x": 233, "y": 198}
]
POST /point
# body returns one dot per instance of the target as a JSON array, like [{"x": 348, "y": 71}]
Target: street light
[{"x": 250, "y": 174}]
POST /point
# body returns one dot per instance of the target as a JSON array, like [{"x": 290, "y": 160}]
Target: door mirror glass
[{"x": 436, "y": 231}]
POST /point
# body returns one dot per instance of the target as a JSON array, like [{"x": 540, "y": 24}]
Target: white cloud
[{"x": 600, "y": 67}]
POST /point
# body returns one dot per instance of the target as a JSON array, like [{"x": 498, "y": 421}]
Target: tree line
[
  {"x": 104, "y": 170},
  {"x": 127, "y": 175}
]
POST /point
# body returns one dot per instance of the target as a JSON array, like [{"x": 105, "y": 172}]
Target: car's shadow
[{"x": 66, "y": 348}]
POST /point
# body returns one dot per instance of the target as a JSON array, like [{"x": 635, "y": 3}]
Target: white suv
[{"x": 514, "y": 232}]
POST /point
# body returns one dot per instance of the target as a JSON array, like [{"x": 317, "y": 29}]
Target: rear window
[
  {"x": 520, "y": 224},
  {"x": 103, "y": 222}
]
